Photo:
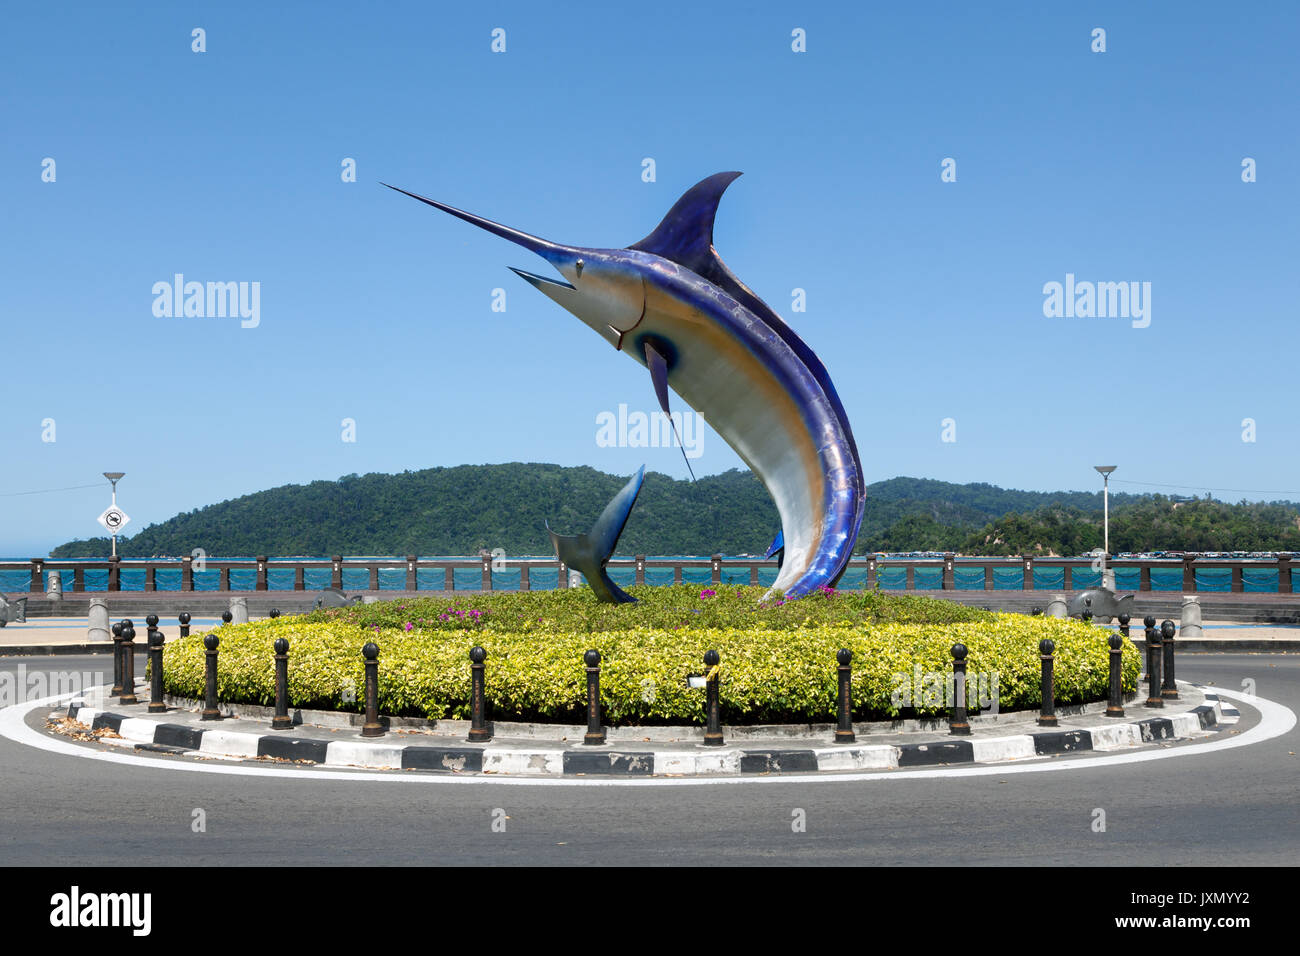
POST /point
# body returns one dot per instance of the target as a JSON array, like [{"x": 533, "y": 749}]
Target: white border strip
[{"x": 1275, "y": 720}]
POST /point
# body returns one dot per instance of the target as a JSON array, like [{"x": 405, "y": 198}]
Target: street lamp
[
  {"x": 114, "y": 477},
  {"x": 1107, "y": 579}
]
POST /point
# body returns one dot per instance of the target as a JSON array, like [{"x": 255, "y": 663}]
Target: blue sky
[{"x": 925, "y": 298}]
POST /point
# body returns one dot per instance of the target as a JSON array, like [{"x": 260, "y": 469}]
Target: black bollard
[
  {"x": 1115, "y": 706},
  {"x": 128, "y": 665},
  {"x": 1036, "y": 611},
  {"x": 151, "y": 625},
  {"x": 372, "y": 727},
  {"x": 844, "y": 703},
  {"x": 210, "y": 711},
  {"x": 226, "y": 617},
  {"x": 1123, "y": 624},
  {"x": 281, "y": 720},
  {"x": 275, "y": 612},
  {"x": 1155, "y": 655},
  {"x": 1047, "y": 713},
  {"x": 156, "y": 705},
  {"x": 478, "y": 727},
  {"x": 184, "y": 618},
  {"x": 595, "y": 732},
  {"x": 713, "y": 725},
  {"x": 957, "y": 722},
  {"x": 1149, "y": 622},
  {"x": 126, "y": 622},
  {"x": 117, "y": 660},
  {"x": 1168, "y": 689}
]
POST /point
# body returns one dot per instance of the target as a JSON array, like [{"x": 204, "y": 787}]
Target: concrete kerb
[
  {"x": 556, "y": 758},
  {"x": 48, "y": 650}
]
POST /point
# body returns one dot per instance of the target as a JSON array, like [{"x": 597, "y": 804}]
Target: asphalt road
[{"x": 1235, "y": 807}]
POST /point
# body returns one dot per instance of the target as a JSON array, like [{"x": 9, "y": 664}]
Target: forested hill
[{"x": 463, "y": 509}]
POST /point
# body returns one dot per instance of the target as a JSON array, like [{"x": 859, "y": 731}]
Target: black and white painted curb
[
  {"x": 1228, "y": 714},
  {"x": 157, "y": 736}
]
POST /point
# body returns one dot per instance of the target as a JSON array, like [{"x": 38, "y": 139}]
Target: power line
[
  {"x": 46, "y": 491},
  {"x": 1248, "y": 491}
]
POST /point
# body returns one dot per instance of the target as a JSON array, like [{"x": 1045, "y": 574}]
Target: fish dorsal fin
[{"x": 685, "y": 236}]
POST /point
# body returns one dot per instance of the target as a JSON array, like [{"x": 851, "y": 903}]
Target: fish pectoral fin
[{"x": 658, "y": 366}]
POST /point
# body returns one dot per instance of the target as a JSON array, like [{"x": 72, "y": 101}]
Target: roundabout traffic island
[
  {"x": 558, "y": 684},
  {"x": 777, "y": 663}
]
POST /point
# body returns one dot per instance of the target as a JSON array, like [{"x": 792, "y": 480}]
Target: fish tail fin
[
  {"x": 587, "y": 553},
  {"x": 578, "y": 554},
  {"x": 777, "y": 548}
]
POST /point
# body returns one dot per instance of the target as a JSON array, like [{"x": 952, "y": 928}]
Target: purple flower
[
  {"x": 708, "y": 593},
  {"x": 409, "y": 625}
]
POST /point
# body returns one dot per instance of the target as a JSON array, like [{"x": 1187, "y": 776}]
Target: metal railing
[{"x": 943, "y": 569}]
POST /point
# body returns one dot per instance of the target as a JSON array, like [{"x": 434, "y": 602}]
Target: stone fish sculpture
[
  {"x": 1102, "y": 602},
  {"x": 333, "y": 597},
  {"x": 14, "y": 611}
]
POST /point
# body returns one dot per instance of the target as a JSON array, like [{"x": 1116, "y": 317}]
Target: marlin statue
[{"x": 671, "y": 304}]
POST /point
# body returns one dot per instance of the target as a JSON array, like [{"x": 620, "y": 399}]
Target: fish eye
[{"x": 578, "y": 267}]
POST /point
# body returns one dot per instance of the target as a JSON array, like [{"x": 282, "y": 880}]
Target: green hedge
[
  {"x": 678, "y": 606},
  {"x": 778, "y": 664}
]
